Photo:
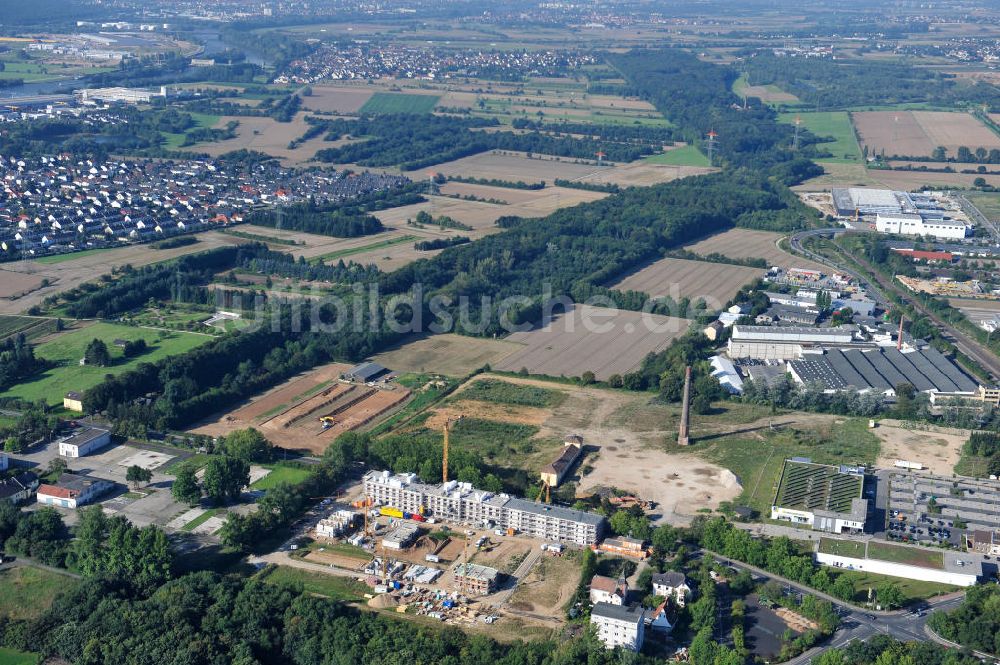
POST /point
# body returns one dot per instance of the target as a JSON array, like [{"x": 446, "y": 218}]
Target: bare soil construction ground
[
  {"x": 603, "y": 341},
  {"x": 273, "y": 401},
  {"x": 630, "y": 435},
  {"x": 448, "y": 354},
  {"x": 920, "y": 132},
  {"x": 715, "y": 283},
  {"x": 938, "y": 449},
  {"x": 86, "y": 266},
  {"x": 268, "y": 136},
  {"x": 547, "y": 589},
  {"x": 747, "y": 243},
  {"x": 977, "y": 310}
]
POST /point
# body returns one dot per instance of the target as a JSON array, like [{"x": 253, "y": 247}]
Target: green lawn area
[
  {"x": 332, "y": 586},
  {"x": 398, "y": 102},
  {"x": 67, "y": 349},
  {"x": 757, "y": 458},
  {"x": 173, "y": 141},
  {"x": 501, "y": 392},
  {"x": 341, "y": 253},
  {"x": 59, "y": 258},
  {"x": 839, "y": 547},
  {"x": 26, "y": 592},
  {"x": 11, "y": 657},
  {"x": 987, "y": 202},
  {"x": 911, "y": 556},
  {"x": 198, "y": 460},
  {"x": 201, "y": 519},
  {"x": 836, "y": 124},
  {"x": 912, "y": 589},
  {"x": 292, "y": 475},
  {"x": 688, "y": 155}
]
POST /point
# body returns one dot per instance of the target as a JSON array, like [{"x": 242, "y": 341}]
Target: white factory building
[
  {"x": 83, "y": 442},
  {"x": 460, "y": 502},
  {"x": 917, "y": 225},
  {"x": 784, "y": 342}
]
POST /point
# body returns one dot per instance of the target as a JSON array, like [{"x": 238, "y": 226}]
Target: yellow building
[{"x": 73, "y": 401}]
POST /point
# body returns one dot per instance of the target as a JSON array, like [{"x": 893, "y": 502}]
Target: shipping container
[{"x": 390, "y": 512}]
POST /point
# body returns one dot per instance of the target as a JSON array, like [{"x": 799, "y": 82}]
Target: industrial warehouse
[
  {"x": 881, "y": 370},
  {"x": 823, "y": 497},
  {"x": 920, "y": 214},
  {"x": 460, "y": 502}
]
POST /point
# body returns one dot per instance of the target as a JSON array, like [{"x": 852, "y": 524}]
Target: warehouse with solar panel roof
[{"x": 821, "y": 496}]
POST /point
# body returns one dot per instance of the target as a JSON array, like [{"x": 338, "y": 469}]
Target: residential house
[
  {"x": 18, "y": 488},
  {"x": 672, "y": 585},
  {"x": 73, "y": 401},
  {"x": 608, "y": 590}
]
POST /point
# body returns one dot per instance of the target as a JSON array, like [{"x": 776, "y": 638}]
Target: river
[{"x": 210, "y": 38}]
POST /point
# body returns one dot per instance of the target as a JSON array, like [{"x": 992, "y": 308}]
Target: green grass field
[
  {"x": 60, "y": 258},
  {"x": 839, "y": 547},
  {"x": 67, "y": 349},
  {"x": 11, "y": 657},
  {"x": 173, "y": 141},
  {"x": 292, "y": 475},
  {"x": 757, "y": 459},
  {"x": 201, "y": 519},
  {"x": 845, "y": 149},
  {"x": 912, "y": 589},
  {"x": 341, "y": 253},
  {"x": 687, "y": 155},
  {"x": 26, "y": 592},
  {"x": 987, "y": 202},
  {"x": 501, "y": 392},
  {"x": 398, "y": 102},
  {"x": 910, "y": 556},
  {"x": 345, "y": 589}
]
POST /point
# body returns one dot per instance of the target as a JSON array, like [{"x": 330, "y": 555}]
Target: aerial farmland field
[
  {"x": 751, "y": 244},
  {"x": 576, "y": 342},
  {"x": 398, "y": 102},
  {"x": 918, "y": 133},
  {"x": 715, "y": 283}
]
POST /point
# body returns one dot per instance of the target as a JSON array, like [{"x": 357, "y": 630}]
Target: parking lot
[{"x": 925, "y": 508}]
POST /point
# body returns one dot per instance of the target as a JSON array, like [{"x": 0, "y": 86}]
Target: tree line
[{"x": 397, "y": 138}]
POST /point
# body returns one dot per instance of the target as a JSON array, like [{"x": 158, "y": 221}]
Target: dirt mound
[{"x": 383, "y": 601}]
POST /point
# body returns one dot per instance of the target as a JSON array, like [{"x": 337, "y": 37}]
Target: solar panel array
[
  {"x": 811, "y": 487},
  {"x": 883, "y": 369}
]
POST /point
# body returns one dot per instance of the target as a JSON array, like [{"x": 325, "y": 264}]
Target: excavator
[{"x": 328, "y": 422}]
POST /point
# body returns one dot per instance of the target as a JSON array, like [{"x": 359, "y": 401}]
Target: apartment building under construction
[{"x": 461, "y": 502}]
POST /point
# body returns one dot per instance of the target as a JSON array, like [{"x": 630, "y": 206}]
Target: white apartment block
[
  {"x": 619, "y": 626},
  {"x": 460, "y": 502}
]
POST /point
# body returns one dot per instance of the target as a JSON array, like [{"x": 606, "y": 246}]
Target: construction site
[{"x": 309, "y": 412}]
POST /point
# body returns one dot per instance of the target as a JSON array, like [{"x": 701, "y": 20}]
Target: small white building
[
  {"x": 73, "y": 491},
  {"x": 672, "y": 585},
  {"x": 336, "y": 524},
  {"x": 619, "y": 625},
  {"x": 608, "y": 590},
  {"x": 83, "y": 442}
]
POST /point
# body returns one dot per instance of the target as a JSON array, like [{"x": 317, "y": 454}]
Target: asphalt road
[
  {"x": 858, "y": 624},
  {"x": 962, "y": 342}
]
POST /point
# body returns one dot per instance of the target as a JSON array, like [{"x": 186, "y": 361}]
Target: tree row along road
[
  {"x": 856, "y": 623},
  {"x": 969, "y": 347}
]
